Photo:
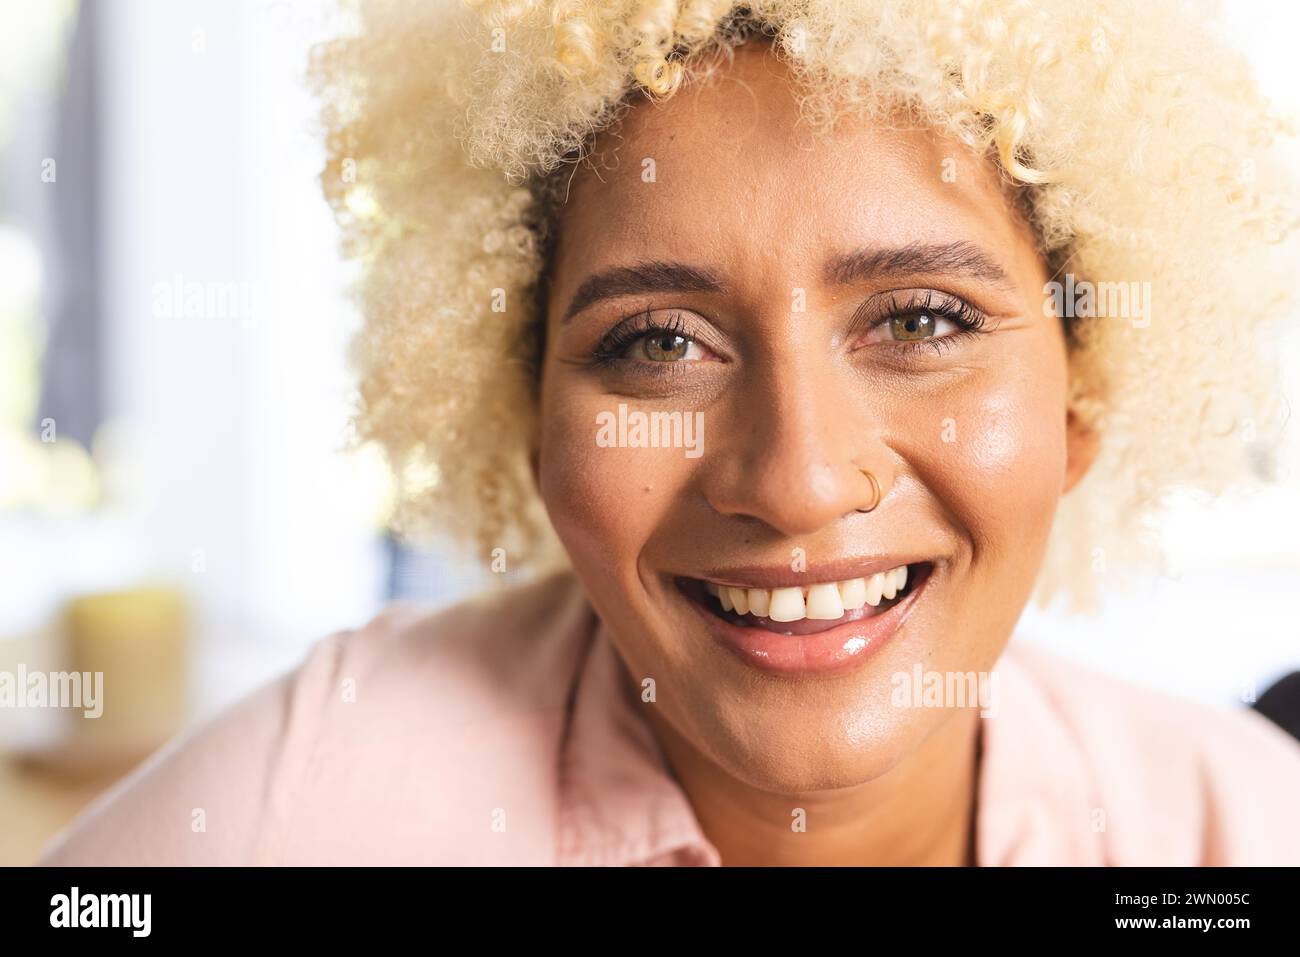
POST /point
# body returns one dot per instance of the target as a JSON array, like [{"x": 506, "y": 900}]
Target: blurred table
[{"x": 36, "y": 802}]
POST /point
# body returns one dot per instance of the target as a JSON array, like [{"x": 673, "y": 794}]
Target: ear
[{"x": 1083, "y": 442}]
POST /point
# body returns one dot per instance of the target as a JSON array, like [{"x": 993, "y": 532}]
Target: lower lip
[{"x": 835, "y": 651}]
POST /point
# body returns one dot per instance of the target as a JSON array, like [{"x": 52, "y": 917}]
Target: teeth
[
  {"x": 875, "y": 588},
  {"x": 853, "y": 593},
  {"x": 895, "y": 579},
  {"x": 786, "y": 605},
  {"x": 824, "y": 601}
]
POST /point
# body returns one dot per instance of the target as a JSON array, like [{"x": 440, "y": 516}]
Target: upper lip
[{"x": 782, "y": 576}]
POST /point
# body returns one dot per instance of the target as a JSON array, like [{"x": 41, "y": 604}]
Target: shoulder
[
  {"x": 506, "y": 650},
  {"x": 1179, "y": 781},
  {"x": 399, "y": 742}
]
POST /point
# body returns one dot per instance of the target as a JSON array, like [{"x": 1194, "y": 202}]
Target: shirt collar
[
  {"x": 620, "y": 805},
  {"x": 1036, "y": 801}
]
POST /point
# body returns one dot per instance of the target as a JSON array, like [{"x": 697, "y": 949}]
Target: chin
[{"x": 791, "y": 755}]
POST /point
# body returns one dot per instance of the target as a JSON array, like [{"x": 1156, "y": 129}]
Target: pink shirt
[{"x": 503, "y": 731}]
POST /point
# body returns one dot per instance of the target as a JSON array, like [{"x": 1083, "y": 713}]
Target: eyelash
[
  {"x": 970, "y": 322},
  {"x": 610, "y": 349}
]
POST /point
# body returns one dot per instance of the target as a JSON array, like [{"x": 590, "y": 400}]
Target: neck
[{"x": 920, "y": 813}]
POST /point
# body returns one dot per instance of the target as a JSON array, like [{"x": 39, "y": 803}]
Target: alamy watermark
[
  {"x": 53, "y": 689},
  {"x": 945, "y": 689},
  {"x": 651, "y": 430},
  {"x": 75, "y": 909},
  {"x": 1081, "y": 299},
  {"x": 188, "y": 298}
]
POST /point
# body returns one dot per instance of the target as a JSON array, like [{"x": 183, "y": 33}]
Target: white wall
[{"x": 210, "y": 173}]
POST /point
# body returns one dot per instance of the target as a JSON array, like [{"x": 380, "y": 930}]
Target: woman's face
[{"x": 864, "y": 302}]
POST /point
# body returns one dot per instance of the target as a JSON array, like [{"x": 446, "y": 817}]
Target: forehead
[{"x": 726, "y": 173}]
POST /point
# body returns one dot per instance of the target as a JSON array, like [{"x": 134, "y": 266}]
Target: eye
[
  {"x": 927, "y": 320},
  {"x": 669, "y": 346},
  {"x": 650, "y": 339},
  {"x": 916, "y": 325}
]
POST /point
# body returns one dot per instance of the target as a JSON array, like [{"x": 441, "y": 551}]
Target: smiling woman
[{"x": 830, "y": 234}]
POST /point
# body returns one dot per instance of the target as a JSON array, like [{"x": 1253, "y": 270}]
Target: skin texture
[{"x": 970, "y": 440}]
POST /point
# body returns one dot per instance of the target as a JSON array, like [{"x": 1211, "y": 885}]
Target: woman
[{"x": 805, "y": 328}]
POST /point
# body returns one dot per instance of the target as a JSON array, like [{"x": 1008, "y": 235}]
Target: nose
[{"x": 792, "y": 452}]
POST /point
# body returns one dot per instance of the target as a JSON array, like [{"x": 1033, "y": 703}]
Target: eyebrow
[
  {"x": 949, "y": 259},
  {"x": 869, "y": 263},
  {"x": 642, "y": 277}
]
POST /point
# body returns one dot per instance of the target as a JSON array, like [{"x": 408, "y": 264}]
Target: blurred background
[{"x": 177, "y": 506}]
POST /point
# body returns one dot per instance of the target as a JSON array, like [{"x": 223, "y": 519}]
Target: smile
[
  {"x": 824, "y": 601},
  {"x": 818, "y": 628},
  {"x": 807, "y": 609}
]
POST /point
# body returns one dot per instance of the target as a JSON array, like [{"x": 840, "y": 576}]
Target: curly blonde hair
[{"x": 1139, "y": 145}]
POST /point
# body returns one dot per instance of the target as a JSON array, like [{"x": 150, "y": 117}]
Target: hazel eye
[
  {"x": 668, "y": 347},
  {"x": 645, "y": 339},
  {"x": 913, "y": 326},
  {"x": 926, "y": 319}
]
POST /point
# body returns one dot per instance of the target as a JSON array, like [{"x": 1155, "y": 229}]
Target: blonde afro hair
[{"x": 1138, "y": 143}]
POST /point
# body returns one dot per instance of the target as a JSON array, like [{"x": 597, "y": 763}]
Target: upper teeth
[{"x": 826, "y": 600}]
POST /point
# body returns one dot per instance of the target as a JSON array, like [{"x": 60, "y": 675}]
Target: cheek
[
  {"x": 1000, "y": 464},
  {"x": 605, "y": 502}
]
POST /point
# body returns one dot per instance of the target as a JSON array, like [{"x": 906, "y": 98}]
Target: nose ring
[{"x": 875, "y": 491}]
